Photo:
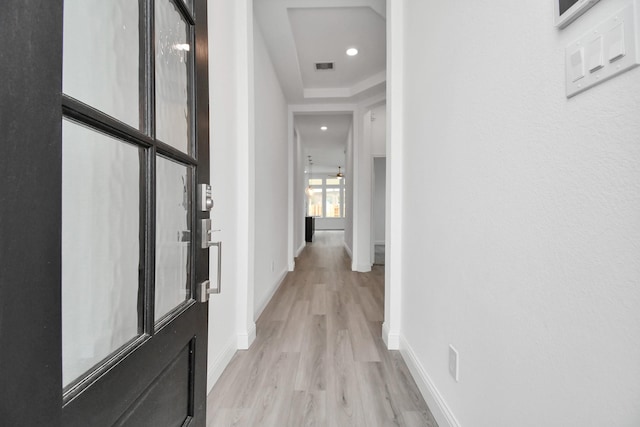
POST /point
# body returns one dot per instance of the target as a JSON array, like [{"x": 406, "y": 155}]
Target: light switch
[
  {"x": 577, "y": 64},
  {"x": 615, "y": 42},
  {"x": 604, "y": 51},
  {"x": 594, "y": 50}
]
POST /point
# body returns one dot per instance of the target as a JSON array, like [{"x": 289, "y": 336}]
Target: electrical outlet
[{"x": 454, "y": 363}]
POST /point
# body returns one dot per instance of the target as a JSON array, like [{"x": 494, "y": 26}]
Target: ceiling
[
  {"x": 299, "y": 33},
  {"x": 326, "y": 148}
]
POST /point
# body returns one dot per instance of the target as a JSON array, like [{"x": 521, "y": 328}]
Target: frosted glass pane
[
  {"x": 173, "y": 75},
  {"x": 100, "y": 247},
  {"x": 101, "y": 56},
  {"x": 173, "y": 235}
]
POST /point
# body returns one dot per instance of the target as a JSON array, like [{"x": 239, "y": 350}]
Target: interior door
[{"x": 134, "y": 149}]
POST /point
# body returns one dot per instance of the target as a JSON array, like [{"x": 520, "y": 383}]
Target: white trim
[
  {"x": 245, "y": 339},
  {"x": 394, "y": 179},
  {"x": 373, "y": 102},
  {"x": 347, "y": 92},
  {"x": 274, "y": 287},
  {"x": 245, "y": 168},
  {"x": 300, "y": 249},
  {"x": 361, "y": 268},
  {"x": 390, "y": 339},
  {"x": 322, "y": 108},
  {"x": 436, "y": 403},
  {"x": 215, "y": 368},
  {"x": 291, "y": 199},
  {"x": 370, "y": 82},
  {"x": 348, "y": 249},
  {"x": 336, "y": 92},
  {"x": 379, "y": 242}
]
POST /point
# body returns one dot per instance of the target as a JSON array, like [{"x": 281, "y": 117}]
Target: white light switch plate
[{"x": 606, "y": 41}]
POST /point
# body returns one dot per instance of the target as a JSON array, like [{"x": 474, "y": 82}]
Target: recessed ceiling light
[
  {"x": 352, "y": 51},
  {"x": 323, "y": 128}
]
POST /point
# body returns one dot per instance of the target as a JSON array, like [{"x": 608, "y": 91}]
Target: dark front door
[{"x": 105, "y": 130}]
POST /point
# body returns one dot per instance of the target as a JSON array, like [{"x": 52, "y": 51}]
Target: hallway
[{"x": 318, "y": 359}]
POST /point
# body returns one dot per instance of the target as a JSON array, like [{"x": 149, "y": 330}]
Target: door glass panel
[
  {"x": 173, "y": 235},
  {"x": 101, "y": 56},
  {"x": 100, "y": 246},
  {"x": 173, "y": 77}
]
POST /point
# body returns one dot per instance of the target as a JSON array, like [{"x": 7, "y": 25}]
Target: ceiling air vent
[{"x": 324, "y": 66}]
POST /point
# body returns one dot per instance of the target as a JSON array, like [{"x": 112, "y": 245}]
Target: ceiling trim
[
  {"x": 347, "y": 92},
  {"x": 378, "y": 6}
]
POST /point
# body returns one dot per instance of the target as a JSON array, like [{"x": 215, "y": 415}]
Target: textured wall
[{"x": 521, "y": 224}]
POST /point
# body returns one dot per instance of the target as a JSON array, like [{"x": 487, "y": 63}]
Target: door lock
[{"x": 205, "y": 200}]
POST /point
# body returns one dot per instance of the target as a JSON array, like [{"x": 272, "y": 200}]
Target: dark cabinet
[{"x": 309, "y": 228}]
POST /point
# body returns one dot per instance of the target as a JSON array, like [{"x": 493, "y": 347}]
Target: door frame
[{"x": 30, "y": 212}]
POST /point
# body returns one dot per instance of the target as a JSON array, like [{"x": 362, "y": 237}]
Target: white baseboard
[
  {"x": 441, "y": 412},
  {"x": 392, "y": 340},
  {"x": 246, "y": 339},
  {"x": 348, "y": 249},
  {"x": 216, "y": 367},
  {"x": 361, "y": 268},
  {"x": 300, "y": 249},
  {"x": 272, "y": 291}
]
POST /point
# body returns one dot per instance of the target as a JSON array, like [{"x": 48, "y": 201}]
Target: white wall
[
  {"x": 348, "y": 221},
  {"x": 298, "y": 194},
  {"x": 271, "y": 177},
  {"x": 379, "y": 131},
  {"x": 379, "y": 198},
  {"x": 361, "y": 260},
  {"x": 329, "y": 224},
  {"x": 520, "y": 226},
  {"x": 379, "y": 172}
]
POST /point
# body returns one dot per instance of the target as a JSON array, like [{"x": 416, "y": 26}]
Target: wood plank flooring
[{"x": 319, "y": 359}]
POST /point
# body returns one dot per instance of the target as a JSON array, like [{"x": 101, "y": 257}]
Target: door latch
[{"x": 204, "y": 288}]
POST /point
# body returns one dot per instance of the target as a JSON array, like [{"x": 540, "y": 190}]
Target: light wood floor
[{"x": 319, "y": 359}]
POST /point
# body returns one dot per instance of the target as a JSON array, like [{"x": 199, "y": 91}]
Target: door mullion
[
  {"x": 148, "y": 74},
  {"x": 150, "y": 123},
  {"x": 150, "y": 242}
]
